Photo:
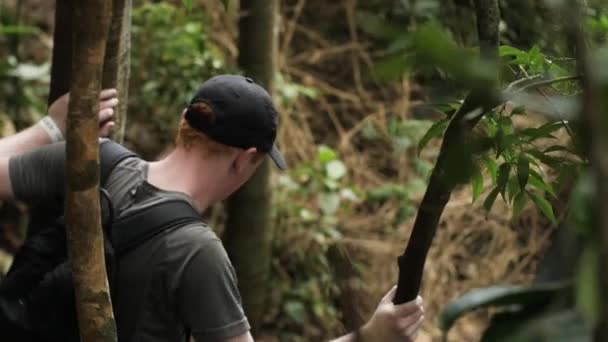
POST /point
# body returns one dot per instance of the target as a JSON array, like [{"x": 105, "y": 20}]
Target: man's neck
[{"x": 174, "y": 173}]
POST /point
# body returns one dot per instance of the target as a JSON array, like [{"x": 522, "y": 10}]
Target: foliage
[
  {"x": 503, "y": 296},
  {"x": 165, "y": 35},
  {"x": 526, "y": 161},
  {"x": 23, "y": 83},
  {"x": 309, "y": 200},
  {"x": 403, "y": 135}
]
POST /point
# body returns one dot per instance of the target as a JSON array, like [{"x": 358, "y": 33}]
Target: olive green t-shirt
[{"x": 175, "y": 281}]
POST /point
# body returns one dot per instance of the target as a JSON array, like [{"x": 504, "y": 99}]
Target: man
[{"x": 181, "y": 282}]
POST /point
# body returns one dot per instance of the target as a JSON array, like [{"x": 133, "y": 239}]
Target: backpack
[{"x": 37, "y": 295}]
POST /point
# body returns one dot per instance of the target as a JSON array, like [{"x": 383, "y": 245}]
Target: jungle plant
[{"x": 308, "y": 202}]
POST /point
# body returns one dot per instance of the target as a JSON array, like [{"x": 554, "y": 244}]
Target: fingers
[
  {"x": 409, "y": 307},
  {"x": 412, "y": 331},
  {"x": 110, "y": 103},
  {"x": 107, "y": 129},
  {"x": 388, "y": 297},
  {"x": 108, "y": 93},
  {"x": 105, "y": 114}
]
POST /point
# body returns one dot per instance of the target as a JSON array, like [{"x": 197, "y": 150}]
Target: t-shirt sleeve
[
  {"x": 38, "y": 176},
  {"x": 208, "y": 296}
]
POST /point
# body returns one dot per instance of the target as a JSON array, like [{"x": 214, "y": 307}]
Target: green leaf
[
  {"x": 506, "y": 125},
  {"x": 544, "y": 206},
  {"x": 512, "y": 189},
  {"x": 523, "y": 171},
  {"x": 437, "y": 129},
  {"x": 557, "y": 148},
  {"x": 187, "y": 4},
  {"x": 335, "y": 169},
  {"x": 476, "y": 183},
  {"x": 296, "y": 310},
  {"x": 519, "y": 203},
  {"x": 326, "y": 154},
  {"x": 392, "y": 67},
  {"x": 546, "y": 159},
  {"x": 504, "y": 142},
  {"x": 18, "y": 30},
  {"x": 543, "y": 131},
  {"x": 519, "y": 110},
  {"x": 491, "y": 167},
  {"x": 498, "y": 296},
  {"x": 503, "y": 177},
  {"x": 377, "y": 26},
  {"x": 507, "y": 51},
  {"x": 537, "y": 181},
  {"x": 489, "y": 201}
]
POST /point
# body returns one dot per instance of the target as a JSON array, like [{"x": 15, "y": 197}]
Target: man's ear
[{"x": 244, "y": 158}]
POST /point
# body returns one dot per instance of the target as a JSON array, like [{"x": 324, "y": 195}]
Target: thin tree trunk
[
  {"x": 248, "y": 229},
  {"x": 598, "y": 117},
  {"x": 454, "y": 146},
  {"x": 116, "y": 70},
  {"x": 352, "y": 297},
  {"x": 82, "y": 212},
  {"x": 594, "y": 119},
  {"x": 63, "y": 44}
]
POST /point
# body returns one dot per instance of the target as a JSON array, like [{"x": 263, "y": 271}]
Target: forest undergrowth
[
  {"x": 373, "y": 126},
  {"x": 355, "y": 180}
]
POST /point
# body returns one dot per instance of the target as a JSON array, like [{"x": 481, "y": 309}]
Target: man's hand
[
  {"x": 392, "y": 323},
  {"x": 58, "y": 110}
]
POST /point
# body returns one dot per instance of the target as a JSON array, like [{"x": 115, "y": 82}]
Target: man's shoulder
[
  {"x": 195, "y": 240},
  {"x": 195, "y": 233}
]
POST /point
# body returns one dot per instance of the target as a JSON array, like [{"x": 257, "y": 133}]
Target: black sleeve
[{"x": 38, "y": 176}]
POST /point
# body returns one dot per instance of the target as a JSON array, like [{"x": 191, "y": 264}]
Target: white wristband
[{"x": 50, "y": 127}]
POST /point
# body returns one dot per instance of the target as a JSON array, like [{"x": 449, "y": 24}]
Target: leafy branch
[{"x": 456, "y": 147}]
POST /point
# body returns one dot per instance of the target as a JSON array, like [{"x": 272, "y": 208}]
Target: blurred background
[{"x": 360, "y": 126}]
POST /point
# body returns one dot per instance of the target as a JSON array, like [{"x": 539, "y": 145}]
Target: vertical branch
[
  {"x": 82, "y": 212},
  {"x": 453, "y": 148},
  {"x": 488, "y": 17},
  {"x": 116, "y": 69},
  {"x": 249, "y": 232},
  {"x": 594, "y": 119},
  {"x": 597, "y": 116},
  {"x": 63, "y": 44}
]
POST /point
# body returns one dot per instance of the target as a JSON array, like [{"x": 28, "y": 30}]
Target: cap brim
[{"x": 277, "y": 158}]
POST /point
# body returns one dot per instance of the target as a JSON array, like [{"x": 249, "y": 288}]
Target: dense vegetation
[{"x": 366, "y": 90}]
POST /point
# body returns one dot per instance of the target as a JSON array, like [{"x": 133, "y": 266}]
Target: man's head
[{"x": 232, "y": 123}]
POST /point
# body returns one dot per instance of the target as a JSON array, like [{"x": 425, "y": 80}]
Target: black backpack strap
[
  {"x": 133, "y": 229},
  {"x": 110, "y": 154}
]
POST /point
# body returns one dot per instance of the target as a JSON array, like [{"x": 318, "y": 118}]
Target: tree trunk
[
  {"x": 248, "y": 228},
  {"x": 453, "y": 150},
  {"x": 352, "y": 301},
  {"x": 116, "y": 69},
  {"x": 594, "y": 120},
  {"x": 82, "y": 212},
  {"x": 63, "y": 45}
]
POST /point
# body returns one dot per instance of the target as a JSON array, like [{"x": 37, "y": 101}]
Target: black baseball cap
[{"x": 245, "y": 116}]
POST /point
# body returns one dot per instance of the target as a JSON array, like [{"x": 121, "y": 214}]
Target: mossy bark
[
  {"x": 82, "y": 211},
  {"x": 249, "y": 231},
  {"x": 116, "y": 68},
  {"x": 454, "y": 149}
]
